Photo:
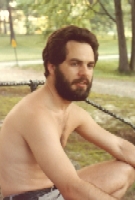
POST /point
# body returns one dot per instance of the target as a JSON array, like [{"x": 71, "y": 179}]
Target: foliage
[
  {"x": 97, "y": 16},
  {"x": 59, "y": 14},
  {"x": 104, "y": 17}
]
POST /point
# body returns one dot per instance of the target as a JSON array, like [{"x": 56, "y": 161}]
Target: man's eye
[
  {"x": 90, "y": 65},
  {"x": 74, "y": 63}
]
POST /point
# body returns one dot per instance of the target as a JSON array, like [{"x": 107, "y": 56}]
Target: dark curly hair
[{"x": 55, "y": 50}]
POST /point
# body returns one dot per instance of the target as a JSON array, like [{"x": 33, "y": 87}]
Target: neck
[{"x": 57, "y": 101}]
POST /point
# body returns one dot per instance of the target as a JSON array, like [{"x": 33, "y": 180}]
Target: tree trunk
[
  {"x": 123, "y": 57},
  {"x": 5, "y": 27},
  {"x": 12, "y": 34},
  {"x": 132, "y": 60}
]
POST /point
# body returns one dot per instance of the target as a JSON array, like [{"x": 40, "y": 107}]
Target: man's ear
[{"x": 51, "y": 68}]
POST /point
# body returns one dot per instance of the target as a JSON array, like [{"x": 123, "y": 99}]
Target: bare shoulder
[
  {"x": 79, "y": 113},
  {"x": 37, "y": 118},
  {"x": 76, "y": 109},
  {"x": 28, "y": 113}
]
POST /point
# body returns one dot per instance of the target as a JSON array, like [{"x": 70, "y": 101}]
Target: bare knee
[
  {"x": 126, "y": 179},
  {"x": 128, "y": 173},
  {"x": 114, "y": 177}
]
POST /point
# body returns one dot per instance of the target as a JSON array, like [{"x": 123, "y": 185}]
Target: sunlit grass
[
  {"x": 109, "y": 69},
  {"x": 109, "y": 45},
  {"x": 83, "y": 152},
  {"x": 29, "y": 47}
]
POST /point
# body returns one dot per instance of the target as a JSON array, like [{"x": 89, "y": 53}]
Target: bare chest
[{"x": 65, "y": 126}]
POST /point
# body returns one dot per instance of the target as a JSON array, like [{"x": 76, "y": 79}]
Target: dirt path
[{"x": 103, "y": 86}]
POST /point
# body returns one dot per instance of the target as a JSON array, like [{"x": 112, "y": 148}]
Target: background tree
[
  {"x": 132, "y": 60},
  {"x": 101, "y": 16},
  {"x": 123, "y": 56},
  {"x": 28, "y": 11},
  {"x": 5, "y": 5},
  {"x": 120, "y": 20},
  {"x": 12, "y": 34},
  {"x": 100, "y": 22}
]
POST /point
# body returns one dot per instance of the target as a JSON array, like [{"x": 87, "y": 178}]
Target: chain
[
  {"x": 34, "y": 84},
  {"x": 109, "y": 113}
]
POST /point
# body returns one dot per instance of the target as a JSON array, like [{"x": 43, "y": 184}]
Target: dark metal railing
[
  {"x": 110, "y": 113},
  {"x": 34, "y": 84}
]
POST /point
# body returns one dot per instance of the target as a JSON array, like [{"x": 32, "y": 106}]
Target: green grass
[
  {"x": 116, "y": 105},
  {"x": 83, "y": 152},
  {"x": 29, "y": 47},
  {"x": 109, "y": 46},
  {"x": 109, "y": 70},
  {"x": 9, "y": 96}
]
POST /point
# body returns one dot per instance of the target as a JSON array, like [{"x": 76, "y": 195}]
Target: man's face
[{"x": 73, "y": 78}]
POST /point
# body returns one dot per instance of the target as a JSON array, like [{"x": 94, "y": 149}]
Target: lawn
[
  {"x": 109, "y": 70},
  {"x": 29, "y": 47}
]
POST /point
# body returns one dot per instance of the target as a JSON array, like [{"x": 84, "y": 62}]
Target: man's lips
[{"x": 81, "y": 82}]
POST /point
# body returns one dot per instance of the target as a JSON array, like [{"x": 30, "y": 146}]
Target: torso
[{"x": 19, "y": 171}]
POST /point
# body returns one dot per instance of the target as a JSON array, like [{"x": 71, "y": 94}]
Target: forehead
[{"x": 82, "y": 51}]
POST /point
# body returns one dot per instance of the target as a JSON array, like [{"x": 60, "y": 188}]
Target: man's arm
[
  {"x": 44, "y": 142},
  {"x": 118, "y": 147}
]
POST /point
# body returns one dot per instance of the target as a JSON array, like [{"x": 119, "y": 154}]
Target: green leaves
[{"x": 59, "y": 13}]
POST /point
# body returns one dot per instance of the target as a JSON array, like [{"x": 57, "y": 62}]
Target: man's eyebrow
[
  {"x": 92, "y": 62},
  {"x": 76, "y": 59}
]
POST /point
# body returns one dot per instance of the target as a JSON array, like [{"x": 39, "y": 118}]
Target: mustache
[{"x": 82, "y": 79}]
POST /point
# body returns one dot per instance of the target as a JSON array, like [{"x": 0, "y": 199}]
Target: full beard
[{"x": 63, "y": 87}]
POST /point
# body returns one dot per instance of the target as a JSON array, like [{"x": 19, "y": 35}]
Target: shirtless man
[{"x": 35, "y": 132}]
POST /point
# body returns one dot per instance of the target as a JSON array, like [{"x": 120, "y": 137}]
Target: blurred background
[
  {"x": 24, "y": 28},
  {"x": 25, "y": 24}
]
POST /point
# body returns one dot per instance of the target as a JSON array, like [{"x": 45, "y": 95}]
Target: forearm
[
  {"x": 127, "y": 153},
  {"x": 87, "y": 191},
  {"x": 95, "y": 193}
]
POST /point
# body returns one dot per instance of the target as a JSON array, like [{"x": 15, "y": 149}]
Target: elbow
[
  {"x": 70, "y": 192},
  {"x": 127, "y": 152}
]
